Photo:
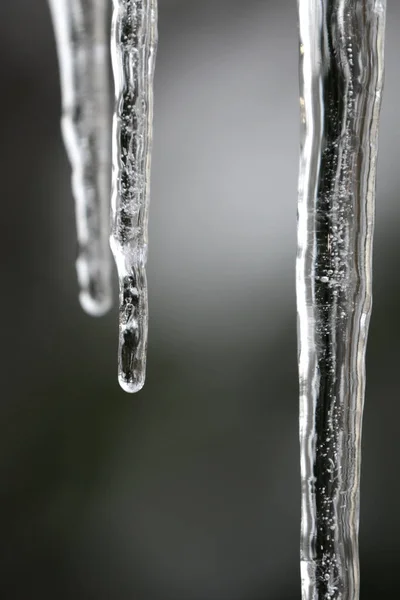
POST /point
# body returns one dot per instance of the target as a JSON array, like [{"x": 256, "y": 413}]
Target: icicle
[
  {"x": 82, "y": 35},
  {"x": 133, "y": 49},
  {"x": 341, "y": 85}
]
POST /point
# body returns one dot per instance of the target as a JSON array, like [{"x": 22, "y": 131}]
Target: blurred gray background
[{"x": 190, "y": 490}]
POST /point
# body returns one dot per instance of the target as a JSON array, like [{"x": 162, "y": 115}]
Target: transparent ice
[
  {"x": 341, "y": 67},
  {"x": 133, "y": 50},
  {"x": 82, "y": 36}
]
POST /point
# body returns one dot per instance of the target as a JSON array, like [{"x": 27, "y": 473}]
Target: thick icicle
[
  {"x": 341, "y": 55},
  {"x": 82, "y": 35},
  {"x": 133, "y": 50}
]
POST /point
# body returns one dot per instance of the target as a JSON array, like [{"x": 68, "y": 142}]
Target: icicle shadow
[{"x": 82, "y": 36}]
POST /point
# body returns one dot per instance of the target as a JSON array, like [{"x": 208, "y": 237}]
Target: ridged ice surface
[
  {"x": 82, "y": 35},
  {"x": 341, "y": 55},
  {"x": 133, "y": 49}
]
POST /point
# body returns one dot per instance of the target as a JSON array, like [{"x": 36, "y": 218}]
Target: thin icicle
[
  {"x": 341, "y": 85},
  {"x": 133, "y": 50},
  {"x": 82, "y": 35}
]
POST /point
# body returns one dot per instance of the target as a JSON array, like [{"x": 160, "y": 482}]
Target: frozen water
[
  {"x": 82, "y": 35},
  {"x": 341, "y": 55},
  {"x": 133, "y": 49}
]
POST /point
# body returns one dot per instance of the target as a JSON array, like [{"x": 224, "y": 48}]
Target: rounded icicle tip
[
  {"x": 95, "y": 307},
  {"x": 132, "y": 387}
]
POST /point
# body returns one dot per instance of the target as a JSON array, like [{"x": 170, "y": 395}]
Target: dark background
[{"x": 190, "y": 490}]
